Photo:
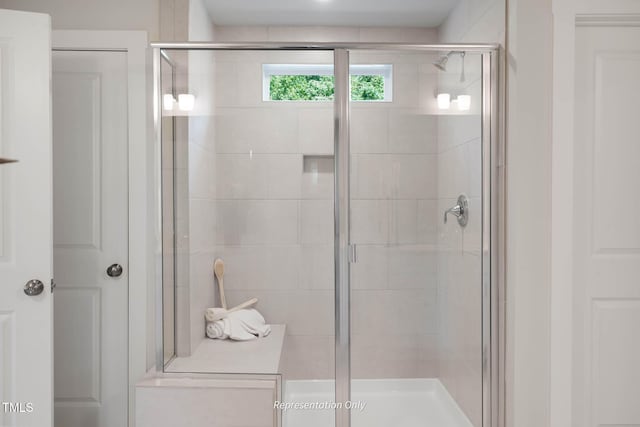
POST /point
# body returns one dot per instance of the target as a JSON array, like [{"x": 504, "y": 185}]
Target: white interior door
[
  {"x": 25, "y": 220},
  {"x": 607, "y": 227},
  {"x": 90, "y": 235}
]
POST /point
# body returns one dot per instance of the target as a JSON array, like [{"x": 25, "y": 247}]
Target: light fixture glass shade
[
  {"x": 444, "y": 101},
  {"x": 168, "y": 101},
  {"x": 464, "y": 102},
  {"x": 186, "y": 101}
]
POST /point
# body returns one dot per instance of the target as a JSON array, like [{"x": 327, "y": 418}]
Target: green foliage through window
[
  {"x": 321, "y": 88},
  {"x": 301, "y": 88},
  {"x": 367, "y": 88}
]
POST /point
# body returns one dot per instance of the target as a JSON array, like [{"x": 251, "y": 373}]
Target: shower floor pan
[{"x": 398, "y": 403}]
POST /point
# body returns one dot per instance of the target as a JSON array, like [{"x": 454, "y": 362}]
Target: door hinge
[{"x": 53, "y": 285}]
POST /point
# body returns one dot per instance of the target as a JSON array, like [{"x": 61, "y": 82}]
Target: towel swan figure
[{"x": 240, "y": 325}]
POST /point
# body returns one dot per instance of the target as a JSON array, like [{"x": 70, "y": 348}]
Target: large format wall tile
[
  {"x": 256, "y": 222},
  {"x": 315, "y": 130},
  {"x": 392, "y": 312},
  {"x": 385, "y": 356},
  {"x": 369, "y": 130},
  {"x": 411, "y": 132},
  {"x": 266, "y": 181},
  {"x": 369, "y": 221},
  {"x": 256, "y": 130},
  {"x": 309, "y": 357}
]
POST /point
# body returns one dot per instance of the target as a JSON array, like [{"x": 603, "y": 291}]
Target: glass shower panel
[
  {"x": 253, "y": 164},
  {"x": 416, "y": 302},
  {"x": 169, "y": 252}
]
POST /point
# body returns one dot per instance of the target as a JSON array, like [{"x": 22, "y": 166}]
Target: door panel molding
[
  {"x": 85, "y": 188},
  {"x": 84, "y": 371},
  {"x": 5, "y": 117},
  {"x": 612, "y": 20},
  {"x": 614, "y": 156}
]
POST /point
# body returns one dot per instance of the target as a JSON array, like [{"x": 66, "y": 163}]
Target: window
[{"x": 309, "y": 82}]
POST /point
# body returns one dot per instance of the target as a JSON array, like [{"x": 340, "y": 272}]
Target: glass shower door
[
  {"x": 248, "y": 144},
  {"x": 416, "y": 283}
]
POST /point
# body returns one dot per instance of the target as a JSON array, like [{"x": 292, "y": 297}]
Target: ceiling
[{"x": 363, "y": 13}]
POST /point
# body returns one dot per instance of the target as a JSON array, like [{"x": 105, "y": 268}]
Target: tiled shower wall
[{"x": 273, "y": 214}]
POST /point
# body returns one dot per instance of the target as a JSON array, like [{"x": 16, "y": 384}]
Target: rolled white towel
[
  {"x": 218, "y": 313},
  {"x": 216, "y": 330},
  {"x": 241, "y": 325}
]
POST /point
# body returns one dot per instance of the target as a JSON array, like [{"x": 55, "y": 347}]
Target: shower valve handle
[
  {"x": 460, "y": 211},
  {"x": 455, "y": 211}
]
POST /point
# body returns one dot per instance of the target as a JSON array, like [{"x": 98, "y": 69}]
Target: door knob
[
  {"x": 114, "y": 270},
  {"x": 33, "y": 287}
]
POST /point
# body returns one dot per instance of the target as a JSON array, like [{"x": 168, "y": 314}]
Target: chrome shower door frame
[
  {"x": 342, "y": 241},
  {"x": 492, "y": 244},
  {"x": 492, "y": 202}
]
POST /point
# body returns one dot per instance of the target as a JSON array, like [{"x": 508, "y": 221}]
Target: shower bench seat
[
  {"x": 223, "y": 383},
  {"x": 261, "y": 356}
]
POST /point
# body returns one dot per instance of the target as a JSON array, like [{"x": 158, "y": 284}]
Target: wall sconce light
[
  {"x": 444, "y": 101},
  {"x": 167, "y": 101},
  {"x": 462, "y": 101},
  {"x": 186, "y": 101}
]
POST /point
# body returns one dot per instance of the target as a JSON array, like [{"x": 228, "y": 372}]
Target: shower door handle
[{"x": 353, "y": 255}]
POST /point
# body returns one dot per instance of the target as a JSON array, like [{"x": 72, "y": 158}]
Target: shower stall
[{"x": 353, "y": 190}]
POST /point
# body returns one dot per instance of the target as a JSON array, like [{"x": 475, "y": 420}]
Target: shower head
[{"x": 441, "y": 63}]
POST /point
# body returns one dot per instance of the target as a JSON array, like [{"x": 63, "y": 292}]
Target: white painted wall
[
  {"x": 475, "y": 21},
  {"x": 325, "y": 34},
  {"x": 528, "y": 210},
  {"x": 95, "y": 14},
  {"x": 201, "y": 27}
]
